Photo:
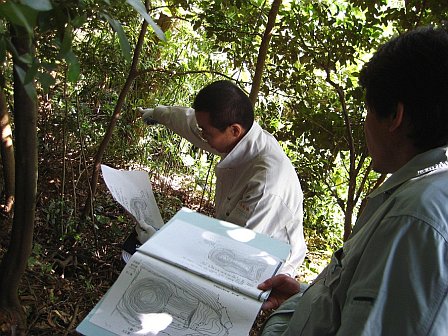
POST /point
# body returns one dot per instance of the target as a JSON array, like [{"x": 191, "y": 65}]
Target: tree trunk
[
  {"x": 15, "y": 259},
  {"x": 115, "y": 116},
  {"x": 352, "y": 171},
  {"x": 263, "y": 51},
  {"x": 7, "y": 152}
]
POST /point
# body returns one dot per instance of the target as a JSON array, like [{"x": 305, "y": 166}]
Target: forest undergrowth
[{"x": 74, "y": 263}]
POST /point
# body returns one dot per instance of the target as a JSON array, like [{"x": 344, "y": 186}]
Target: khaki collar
[{"x": 430, "y": 161}]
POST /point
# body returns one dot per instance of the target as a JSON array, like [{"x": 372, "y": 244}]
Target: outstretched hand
[
  {"x": 147, "y": 115},
  {"x": 282, "y": 288}
]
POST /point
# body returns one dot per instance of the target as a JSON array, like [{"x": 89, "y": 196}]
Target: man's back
[{"x": 258, "y": 188}]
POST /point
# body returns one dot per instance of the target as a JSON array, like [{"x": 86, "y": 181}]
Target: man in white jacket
[{"x": 256, "y": 184}]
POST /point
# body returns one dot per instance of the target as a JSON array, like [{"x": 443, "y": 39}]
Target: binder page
[
  {"x": 222, "y": 259},
  {"x": 153, "y": 298}
]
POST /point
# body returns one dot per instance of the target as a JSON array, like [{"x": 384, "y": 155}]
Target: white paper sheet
[{"x": 132, "y": 189}]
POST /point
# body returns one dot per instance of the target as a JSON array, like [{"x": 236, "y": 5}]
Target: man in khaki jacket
[
  {"x": 391, "y": 275},
  {"x": 256, "y": 184}
]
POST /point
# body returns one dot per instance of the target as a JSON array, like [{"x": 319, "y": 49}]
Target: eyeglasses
[{"x": 200, "y": 133}]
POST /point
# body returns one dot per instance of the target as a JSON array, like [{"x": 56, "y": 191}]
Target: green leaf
[
  {"x": 124, "y": 43},
  {"x": 70, "y": 57},
  {"x": 20, "y": 73},
  {"x": 73, "y": 71},
  {"x": 78, "y": 21},
  {"x": 39, "y": 5},
  {"x": 29, "y": 88},
  {"x": 138, "y": 6},
  {"x": 46, "y": 80},
  {"x": 31, "y": 73},
  {"x": 19, "y": 14},
  {"x": 66, "y": 46},
  {"x": 49, "y": 66},
  {"x": 24, "y": 58}
]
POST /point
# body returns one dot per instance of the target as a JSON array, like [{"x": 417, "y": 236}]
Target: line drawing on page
[
  {"x": 193, "y": 310},
  {"x": 228, "y": 260},
  {"x": 141, "y": 210}
]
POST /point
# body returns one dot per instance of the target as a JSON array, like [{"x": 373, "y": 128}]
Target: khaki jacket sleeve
[{"x": 278, "y": 322}]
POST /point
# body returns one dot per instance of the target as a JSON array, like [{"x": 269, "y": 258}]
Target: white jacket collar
[{"x": 245, "y": 150}]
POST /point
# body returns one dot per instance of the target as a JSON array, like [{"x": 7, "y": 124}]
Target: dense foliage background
[{"x": 91, "y": 63}]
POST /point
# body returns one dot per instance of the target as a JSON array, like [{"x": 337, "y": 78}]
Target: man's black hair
[
  {"x": 226, "y": 104},
  {"x": 412, "y": 69}
]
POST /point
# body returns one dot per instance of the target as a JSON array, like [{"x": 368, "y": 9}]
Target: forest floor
[{"x": 73, "y": 264}]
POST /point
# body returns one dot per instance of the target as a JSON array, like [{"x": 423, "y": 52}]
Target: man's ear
[
  {"x": 237, "y": 130},
  {"x": 397, "y": 118}
]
